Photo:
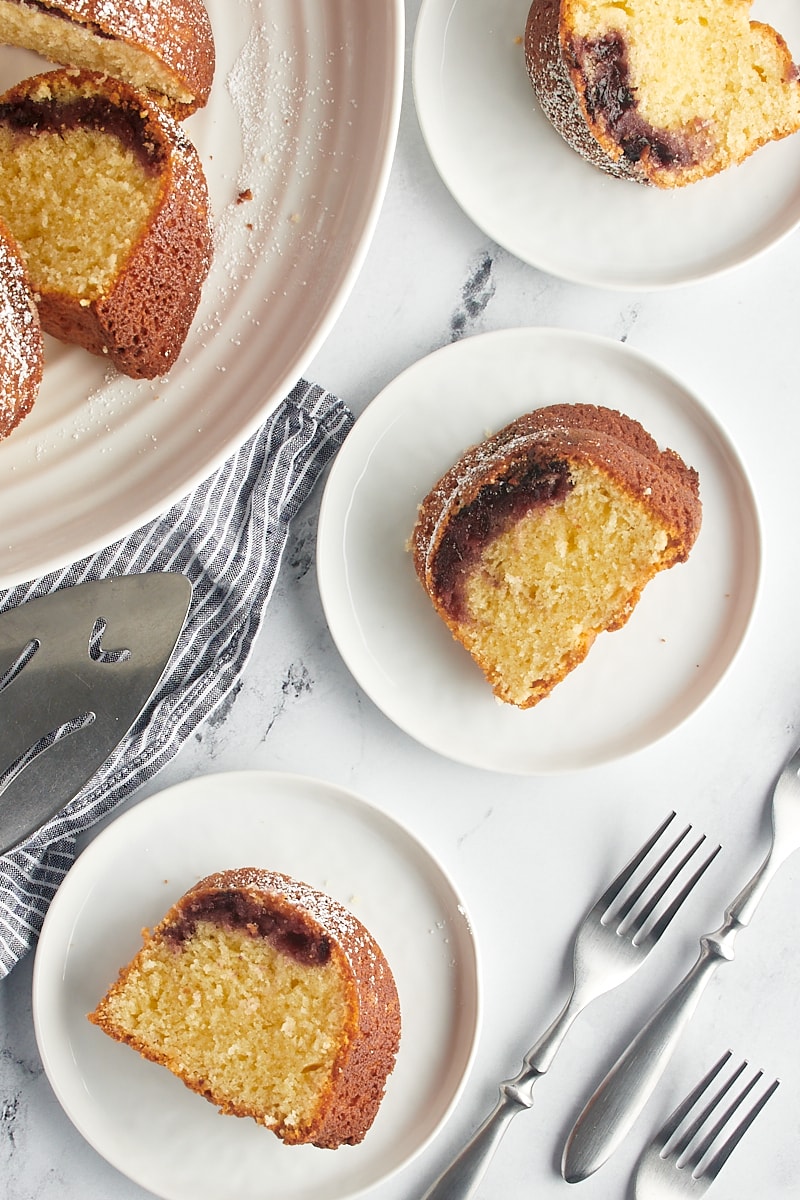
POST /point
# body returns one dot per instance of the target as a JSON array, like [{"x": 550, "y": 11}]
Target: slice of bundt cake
[
  {"x": 665, "y": 92},
  {"x": 108, "y": 202},
  {"x": 270, "y": 999},
  {"x": 545, "y": 535},
  {"x": 21, "y": 351},
  {"x": 163, "y": 47}
]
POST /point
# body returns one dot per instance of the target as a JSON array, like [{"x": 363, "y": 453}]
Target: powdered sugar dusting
[
  {"x": 21, "y": 356},
  {"x": 177, "y": 35},
  {"x": 603, "y": 436},
  {"x": 474, "y": 467},
  {"x": 285, "y": 123},
  {"x": 332, "y": 916},
  {"x": 555, "y": 90}
]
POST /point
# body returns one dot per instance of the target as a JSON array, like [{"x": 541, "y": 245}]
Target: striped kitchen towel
[{"x": 227, "y": 537}]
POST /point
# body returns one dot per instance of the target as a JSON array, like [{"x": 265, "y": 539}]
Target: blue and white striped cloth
[{"x": 227, "y": 537}]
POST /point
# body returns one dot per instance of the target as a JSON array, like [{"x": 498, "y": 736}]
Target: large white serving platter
[
  {"x": 303, "y": 114},
  {"x": 637, "y": 683},
  {"x": 532, "y": 194},
  {"x": 139, "y": 1116}
]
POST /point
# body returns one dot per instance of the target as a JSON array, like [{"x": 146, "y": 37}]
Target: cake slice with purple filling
[
  {"x": 270, "y": 999},
  {"x": 664, "y": 92},
  {"x": 544, "y": 535}
]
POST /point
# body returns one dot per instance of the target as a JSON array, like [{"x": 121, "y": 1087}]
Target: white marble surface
[{"x": 511, "y": 842}]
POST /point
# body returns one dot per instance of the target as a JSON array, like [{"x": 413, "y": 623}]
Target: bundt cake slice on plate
[
  {"x": 664, "y": 92},
  {"x": 270, "y": 999},
  {"x": 545, "y": 534},
  {"x": 165, "y": 49},
  {"x": 107, "y": 199}
]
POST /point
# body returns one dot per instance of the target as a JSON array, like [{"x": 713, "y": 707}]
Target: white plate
[
  {"x": 303, "y": 112},
  {"x": 139, "y": 1116},
  {"x": 521, "y": 184},
  {"x": 638, "y": 683}
]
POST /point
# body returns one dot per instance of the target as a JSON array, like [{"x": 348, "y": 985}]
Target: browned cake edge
[
  {"x": 618, "y": 444},
  {"x": 142, "y": 321},
  {"x": 371, "y": 1039},
  {"x": 570, "y": 435},
  {"x": 668, "y": 158},
  {"x": 176, "y": 33},
  {"x": 558, "y": 89},
  {"x": 21, "y": 348}
]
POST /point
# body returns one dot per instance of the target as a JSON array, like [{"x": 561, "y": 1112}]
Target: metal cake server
[
  {"x": 615, "y": 938},
  {"x": 76, "y": 669},
  {"x": 612, "y": 1110}
]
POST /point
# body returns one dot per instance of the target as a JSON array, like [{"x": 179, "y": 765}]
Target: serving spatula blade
[{"x": 76, "y": 669}]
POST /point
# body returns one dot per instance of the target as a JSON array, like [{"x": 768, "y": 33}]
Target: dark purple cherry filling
[
  {"x": 237, "y": 910},
  {"x": 28, "y": 116},
  {"x": 494, "y": 510},
  {"x": 611, "y": 99}
]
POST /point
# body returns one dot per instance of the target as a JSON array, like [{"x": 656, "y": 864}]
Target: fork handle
[
  {"x": 461, "y": 1178},
  {"x": 610, "y": 1113}
]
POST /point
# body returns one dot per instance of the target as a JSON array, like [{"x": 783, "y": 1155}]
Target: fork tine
[
  {"x": 669, "y": 913},
  {"x": 676, "y": 1118},
  {"x": 676, "y": 1147},
  {"x": 637, "y": 893},
  {"x": 614, "y": 889},
  {"x": 686, "y": 1139},
  {"x": 658, "y": 895},
  {"x": 614, "y": 892},
  {"x": 682, "y": 1159},
  {"x": 715, "y": 1165},
  {"x": 706, "y": 1142}
]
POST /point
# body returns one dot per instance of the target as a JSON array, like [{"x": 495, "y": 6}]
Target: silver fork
[
  {"x": 686, "y": 1155},
  {"x": 616, "y": 1103},
  {"x": 615, "y": 938}
]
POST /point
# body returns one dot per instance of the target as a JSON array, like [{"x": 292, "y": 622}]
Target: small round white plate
[
  {"x": 523, "y": 186},
  {"x": 638, "y": 683},
  {"x": 139, "y": 1116},
  {"x": 303, "y": 119}
]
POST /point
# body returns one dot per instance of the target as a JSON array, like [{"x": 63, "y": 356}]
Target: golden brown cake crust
[
  {"x": 526, "y": 626},
  {"x": 175, "y": 32},
  {"x": 21, "y": 351},
  {"x": 368, "y": 1051},
  {"x": 658, "y": 479},
  {"x": 557, "y": 84},
  {"x": 584, "y": 88},
  {"x": 141, "y": 320},
  {"x": 371, "y": 1036}
]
